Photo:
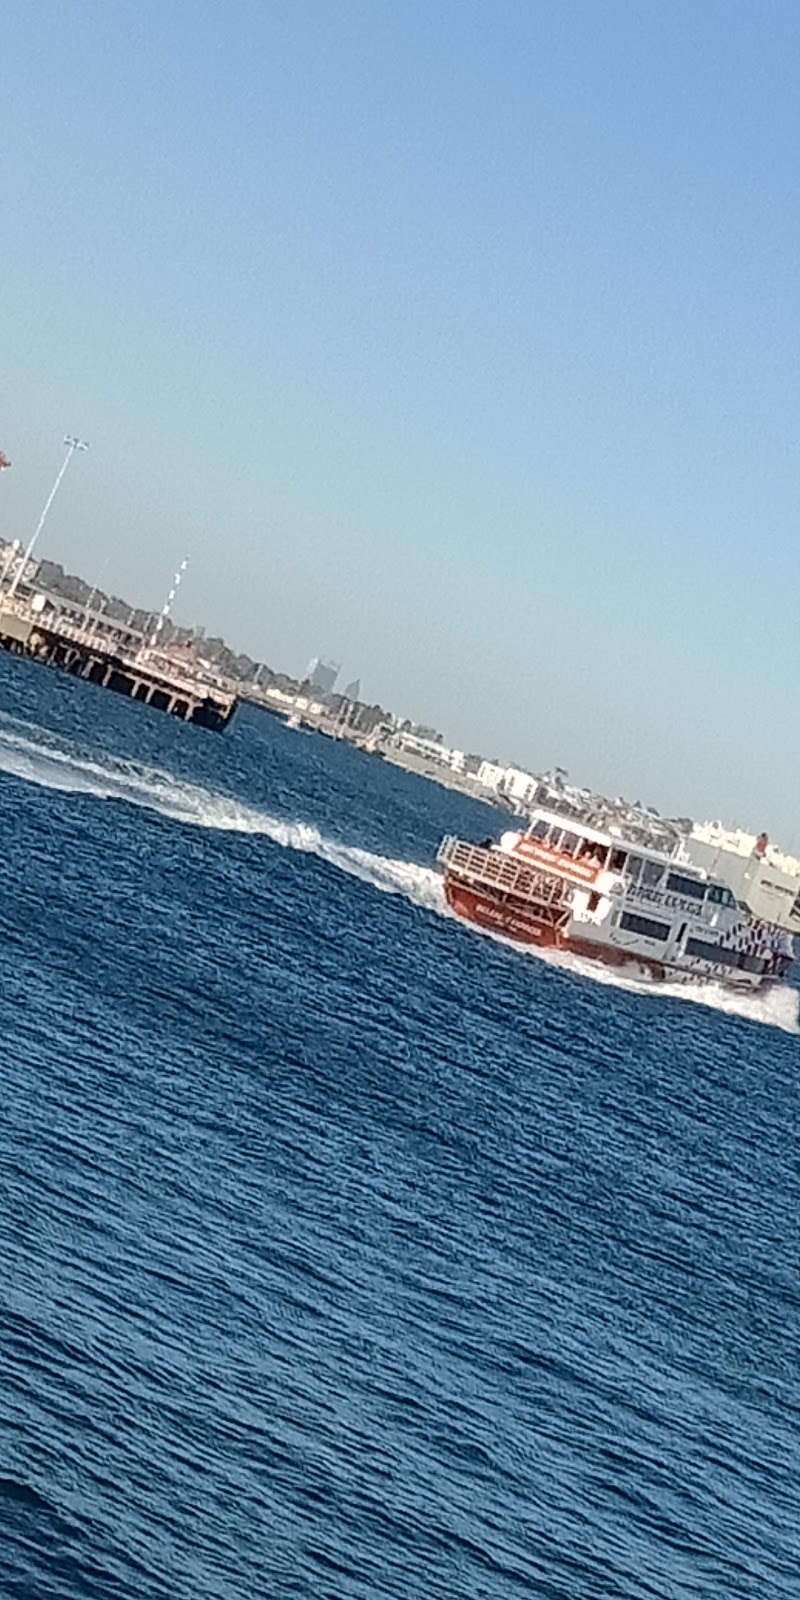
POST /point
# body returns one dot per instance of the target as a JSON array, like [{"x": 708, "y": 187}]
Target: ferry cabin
[{"x": 642, "y": 903}]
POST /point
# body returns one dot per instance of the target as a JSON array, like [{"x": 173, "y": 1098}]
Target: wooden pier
[{"x": 105, "y": 660}]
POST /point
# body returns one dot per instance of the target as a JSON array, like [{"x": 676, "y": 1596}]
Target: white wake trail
[
  {"x": 41, "y": 761},
  {"x": 775, "y": 1008},
  {"x": 29, "y": 753}
]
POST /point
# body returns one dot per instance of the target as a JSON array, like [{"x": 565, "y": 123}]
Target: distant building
[
  {"x": 322, "y": 674},
  {"x": 490, "y": 774},
  {"x": 766, "y": 879},
  {"x": 371, "y": 719},
  {"x": 429, "y": 750},
  {"x": 521, "y": 787},
  {"x": 13, "y": 565},
  {"x": 353, "y": 690}
]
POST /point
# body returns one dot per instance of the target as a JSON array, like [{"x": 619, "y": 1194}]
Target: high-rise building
[
  {"x": 322, "y": 674},
  {"x": 352, "y": 691}
]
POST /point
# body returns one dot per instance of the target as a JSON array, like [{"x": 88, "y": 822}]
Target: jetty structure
[
  {"x": 92, "y": 647},
  {"x": 89, "y": 645}
]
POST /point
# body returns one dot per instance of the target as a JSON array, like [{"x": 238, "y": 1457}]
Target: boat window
[
  {"x": 693, "y": 888},
  {"x": 720, "y": 895},
  {"x": 712, "y": 952},
  {"x": 569, "y": 844},
  {"x": 646, "y": 927},
  {"x": 539, "y": 830},
  {"x": 752, "y": 963},
  {"x": 592, "y": 850},
  {"x": 618, "y": 859},
  {"x": 725, "y": 958},
  {"x": 652, "y": 873},
  {"x": 635, "y": 865}
]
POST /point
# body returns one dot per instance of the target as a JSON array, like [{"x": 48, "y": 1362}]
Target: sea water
[{"x": 346, "y": 1251}]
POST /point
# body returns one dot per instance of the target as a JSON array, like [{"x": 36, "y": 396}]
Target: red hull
[
  {"x": 513, "y": 921},
  {"x": 520, "y": 923}
]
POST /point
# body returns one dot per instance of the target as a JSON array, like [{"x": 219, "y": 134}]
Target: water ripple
[{"x": 346, "y": 1253}]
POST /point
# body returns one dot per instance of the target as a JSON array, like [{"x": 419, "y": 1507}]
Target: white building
[
  {"x": 14, "y": 567},
  {"x": 763, "y": 877},
  {"x": 509, "y": 781},
  {"x": 520, "y": 786},
  {"x": 430, "y": 750},
  {"x": 490, "y": 775}
]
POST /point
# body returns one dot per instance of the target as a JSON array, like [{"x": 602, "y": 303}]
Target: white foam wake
[
  {"x": 37, "y": 758},
  {"x": 31, "y": 754},
  {"x": 776, "y": 1008}
]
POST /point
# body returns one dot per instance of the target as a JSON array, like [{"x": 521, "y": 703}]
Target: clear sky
[{"x": 458, "y": 341}]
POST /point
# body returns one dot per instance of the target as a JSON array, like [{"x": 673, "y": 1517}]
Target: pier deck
[{"x": 104, "y": 661}]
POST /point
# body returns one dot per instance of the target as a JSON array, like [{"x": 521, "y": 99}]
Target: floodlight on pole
[{"x": 72, "y": 445}]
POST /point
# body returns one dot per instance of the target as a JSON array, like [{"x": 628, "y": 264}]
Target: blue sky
[{"x": 458, "y": 341}]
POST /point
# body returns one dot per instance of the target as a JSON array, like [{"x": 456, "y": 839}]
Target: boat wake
[
  {"x": 35, "y": 756},
  {"x": 38, "y": 758},
  {"x": 776, "y": 1008}
]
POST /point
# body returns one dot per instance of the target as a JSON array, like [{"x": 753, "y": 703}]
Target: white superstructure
[{"x": 617, "y": 896}]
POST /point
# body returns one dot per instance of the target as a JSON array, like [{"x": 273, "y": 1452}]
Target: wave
[
  {"x": 31, "y": 754},
  {"x": 36, "y": 757}
]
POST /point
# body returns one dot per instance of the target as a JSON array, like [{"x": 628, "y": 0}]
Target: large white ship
[{"x": 630, "y": 893}]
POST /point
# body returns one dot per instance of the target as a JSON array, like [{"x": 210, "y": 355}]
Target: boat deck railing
[{"x": 494, "y": 869}]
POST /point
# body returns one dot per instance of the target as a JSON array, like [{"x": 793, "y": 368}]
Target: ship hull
[
  {"x": 522, "y": 925},
  {"x": 498, "y": 916}
]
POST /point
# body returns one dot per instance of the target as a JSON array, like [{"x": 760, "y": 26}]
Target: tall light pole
[
  {"x": 150, "y": 644},
  {"x": 72, "y": 445}
]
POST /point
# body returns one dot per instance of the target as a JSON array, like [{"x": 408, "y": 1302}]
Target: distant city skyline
[
  {"x": 510, "y": 777},
  {"x": 322, "y": 674},
  {"x": 460, "y": 339}
]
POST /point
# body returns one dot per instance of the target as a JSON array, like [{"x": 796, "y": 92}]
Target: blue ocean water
[{"x": 347, "y": 1252}]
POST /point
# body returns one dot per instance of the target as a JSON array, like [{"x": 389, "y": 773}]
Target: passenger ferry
[{"x": 564, "y": 885}]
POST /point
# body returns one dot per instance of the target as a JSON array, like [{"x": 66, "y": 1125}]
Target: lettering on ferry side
[{"x": 660, "y": 897}]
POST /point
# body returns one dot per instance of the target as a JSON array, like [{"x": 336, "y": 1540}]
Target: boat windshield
[
  {"x": 568, "y": 842},
  {"x": 691, "y": 888},
  {"x": 593, "y": 850},
  {"x": 652, "y": 873},
  {"x": 647, "y": 874},
  {"x": 720, "y": 895}
]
